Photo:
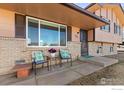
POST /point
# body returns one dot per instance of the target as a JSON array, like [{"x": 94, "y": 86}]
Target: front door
[{"x": 84, "y": 43}]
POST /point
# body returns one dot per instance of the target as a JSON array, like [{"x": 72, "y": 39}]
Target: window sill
[
  {"x": 45, "y": 46},
  {"x": 105, "y": 30}
]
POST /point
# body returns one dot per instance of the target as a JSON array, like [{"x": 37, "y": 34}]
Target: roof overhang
[
  {"x": 117, "y": 8},
  {"x": 68, "y": 14}
]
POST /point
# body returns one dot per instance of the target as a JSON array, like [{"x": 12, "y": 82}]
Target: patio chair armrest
[
  {"x": 70, "y": 55},
  {"x": 33, "y": 60}
]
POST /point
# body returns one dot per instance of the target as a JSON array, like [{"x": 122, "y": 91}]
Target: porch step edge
[{"x": 92, "y": 62}]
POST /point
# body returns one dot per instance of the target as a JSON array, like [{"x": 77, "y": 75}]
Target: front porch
[{"x": 56, "y": 76}]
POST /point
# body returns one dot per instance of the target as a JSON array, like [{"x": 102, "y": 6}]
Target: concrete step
[
  {"x": 100, "y": 61},
  {"x": 91, "y": 61}
]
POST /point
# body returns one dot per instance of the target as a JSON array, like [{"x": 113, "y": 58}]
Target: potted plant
[{"x": 52, "y": 51}]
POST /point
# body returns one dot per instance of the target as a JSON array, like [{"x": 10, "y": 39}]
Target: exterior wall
[
  {"x": 106, "y": 49},
  {"x": 12, "y": 49},
  {"x": 104, "y": 36},
  {"x": 103, "y": 12},
  {"x": 75, "y": 34},
  {"x": 90, "y": 35},
  {"x": 93, "y": 46},
  {"x": 7, "y": 23}
]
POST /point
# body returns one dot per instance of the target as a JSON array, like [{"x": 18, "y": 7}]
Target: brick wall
[
  {"x": 93, "y": 46},
  {"x": 12, "y": 49}
]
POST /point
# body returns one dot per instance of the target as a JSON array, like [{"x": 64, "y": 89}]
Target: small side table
[
  {"x": 53, "y": 59},
  {"x": 22, "y": 70}
]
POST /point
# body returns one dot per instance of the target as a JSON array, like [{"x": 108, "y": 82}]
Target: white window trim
[
  {"x": 108, "y": 31},
  {"x": 39, "y": 20},
  {"x": 39, "y": 32}
]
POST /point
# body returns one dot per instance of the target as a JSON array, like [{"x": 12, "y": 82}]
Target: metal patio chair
[
  {"x": 38, "y": 58},
  {"x": 65, "y": 55}
]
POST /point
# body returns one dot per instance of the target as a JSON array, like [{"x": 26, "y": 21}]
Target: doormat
[{"x": 86, "y": 56}]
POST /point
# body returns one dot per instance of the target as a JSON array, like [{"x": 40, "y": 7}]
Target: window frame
[
  {"x": 99, "y": 49},
  {"x": 39, "y": 22},
  {"x": 105, "y": 25},
  {"x": 111, "y": 49},
  {"x": 104, "y": 28},
  {"x": 116, "y": 28}
]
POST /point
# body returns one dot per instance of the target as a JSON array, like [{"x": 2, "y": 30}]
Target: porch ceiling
[{"x": 60, "y": 13}]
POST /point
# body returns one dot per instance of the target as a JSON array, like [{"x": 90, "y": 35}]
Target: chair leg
[
  {"x": 35, "y": 70},
  {"x": 48, "y": 65},
  {"x": 32, "y": 65},
  {"x": 71, "y": 61},
  {"x": 67, "y": 60},
  {"x": 42, "y": 65},
  {"x": 60, "y": 63},
  {"x": 55, "y": 61}
]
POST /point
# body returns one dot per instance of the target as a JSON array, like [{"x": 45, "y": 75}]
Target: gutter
[
  {"x": 89, "y": 6},
  {"x": 121, "y": 8}
]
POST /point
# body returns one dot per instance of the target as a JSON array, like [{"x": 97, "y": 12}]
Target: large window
[
  {"x": 44, "y": 33},
  {"x": 49, "y": 34}
]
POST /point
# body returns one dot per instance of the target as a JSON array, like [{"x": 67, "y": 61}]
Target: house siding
[
  {"x": 105, "y": 36},
  {"x": 90, "y": 35},
  {"x": 7, "y": 23},
  {"x": 75, "y": 34}
]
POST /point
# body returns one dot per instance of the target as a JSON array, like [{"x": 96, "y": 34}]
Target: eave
[{"x": 68, "y": 14}]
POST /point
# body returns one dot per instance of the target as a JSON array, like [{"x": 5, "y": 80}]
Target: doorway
[{"x": 84, "y": 42}]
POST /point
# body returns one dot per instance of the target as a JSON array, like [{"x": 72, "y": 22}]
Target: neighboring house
[
  {"x": 106, "y": 38},
  {"x": 29, "y": 27}
]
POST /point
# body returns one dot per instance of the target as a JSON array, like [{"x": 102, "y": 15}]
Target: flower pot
[{"x": 53, "y": 54}]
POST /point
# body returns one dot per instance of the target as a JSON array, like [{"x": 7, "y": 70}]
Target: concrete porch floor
[
  {"x": 57, "y": 76},
  {"x": 100, "y": 61}
]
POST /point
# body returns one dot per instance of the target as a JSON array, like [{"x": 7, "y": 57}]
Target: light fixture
[{"x": 78, "y": 32}]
